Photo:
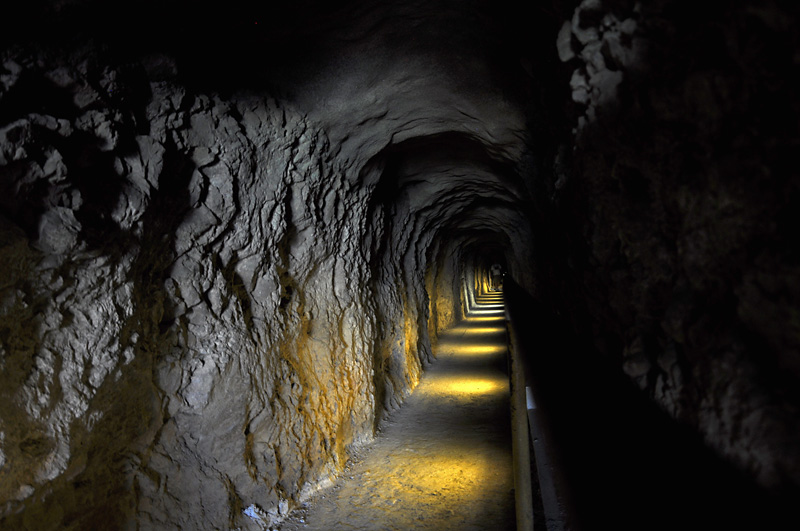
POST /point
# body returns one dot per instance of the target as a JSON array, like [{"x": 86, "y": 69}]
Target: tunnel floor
[{"x": 443, "y": 460}]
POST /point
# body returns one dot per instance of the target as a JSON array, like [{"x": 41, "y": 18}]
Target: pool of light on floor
[
  {"x": 484, "y": 319},
  {"x": 466, "y": 386},
  {"x": 487, "y": 313},
  {"x": 473, "y": 350},
  {"x": 473, "y": 330},
  {"x": 439, "y": 473}
]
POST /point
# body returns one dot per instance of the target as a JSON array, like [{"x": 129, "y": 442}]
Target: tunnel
[{"x": 236, "y": 236}]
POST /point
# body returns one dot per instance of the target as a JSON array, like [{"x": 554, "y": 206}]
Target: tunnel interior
[{"x": 231, "y": 238}]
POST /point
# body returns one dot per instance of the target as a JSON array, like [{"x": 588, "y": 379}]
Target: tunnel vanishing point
[{"x": 231, "y": 233}]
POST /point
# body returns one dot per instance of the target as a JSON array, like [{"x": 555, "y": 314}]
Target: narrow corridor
[
  {"x": 443, "y": 460},
  {"x": 231, "y": 239}
]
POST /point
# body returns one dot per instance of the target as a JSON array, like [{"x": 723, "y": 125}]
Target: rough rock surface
[
  {"x": 190, "y": 309},
  {"x": 205, "y": 303},
  {"x": 674, "y": 195},
  {"x": 229, "y": 238}
]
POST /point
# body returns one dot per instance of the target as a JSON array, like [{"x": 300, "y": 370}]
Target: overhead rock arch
[{"x": 229, "y": 238}]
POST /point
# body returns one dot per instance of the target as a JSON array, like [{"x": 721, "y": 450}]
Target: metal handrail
[
  {"x": 523, "y": 487},
  {"x": 530, "y": 424}
]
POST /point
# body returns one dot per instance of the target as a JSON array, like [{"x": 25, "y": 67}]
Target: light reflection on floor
[
  {"x": 466, "y": 386},
  {"x": 483, "y": 330},
  {"x": 443, "y": 460},
  {"x": 478, "y": 350}
]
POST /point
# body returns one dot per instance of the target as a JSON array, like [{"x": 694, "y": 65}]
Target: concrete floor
[{"x": 443, "y": 460}]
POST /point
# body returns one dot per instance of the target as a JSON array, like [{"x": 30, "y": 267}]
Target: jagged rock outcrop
[
  {"x": 209, "y": 296},
  {"x": 676, "y": 201},
  {"x": 190, "y": 308},
  {"x": 229, "y": 239}
]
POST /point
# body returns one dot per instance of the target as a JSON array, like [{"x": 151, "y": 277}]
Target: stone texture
[
  {"x": 673, "y": 195},
  {"x": 229, "y": 239},
  {"x": 187, "y": 312},
  {"x": 210, "y": 297}
]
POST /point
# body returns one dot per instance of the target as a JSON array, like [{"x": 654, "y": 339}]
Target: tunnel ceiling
[
  {"x": 414, "y": 88},
  {"x": 231, "y": 233},
  {"x": 435, "y": 92}
]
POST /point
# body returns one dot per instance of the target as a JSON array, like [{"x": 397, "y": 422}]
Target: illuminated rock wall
[
  {"x": 228, "y": 239},
  {"x": 208, "y": 296},
  {"x": 189, "y": 320}
]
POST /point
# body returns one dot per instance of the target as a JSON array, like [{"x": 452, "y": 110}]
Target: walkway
[{"x": 443, "y": 460}]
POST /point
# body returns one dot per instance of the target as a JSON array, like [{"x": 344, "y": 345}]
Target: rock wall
[
  {"x": 189, "y": 322},
  {"x": 221, "y": 264},
  {"x": 214, "y": 281},
  {"x": 671, "y": 207}
]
